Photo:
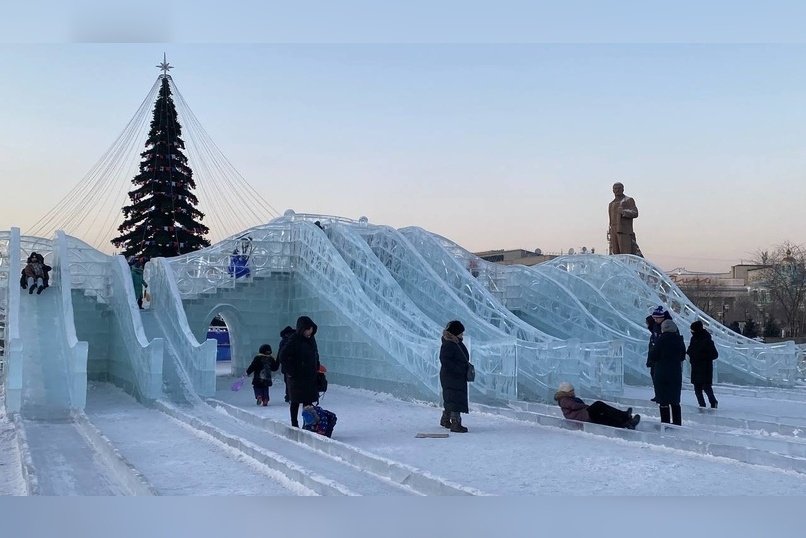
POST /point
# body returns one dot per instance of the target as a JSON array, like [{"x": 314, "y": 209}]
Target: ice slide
[
  {"x": 53, "y": 362},
  {"x": 742, "y": 360},
  {"x": 489, "y": 329},
  {"x": 551, "y": 300},
  {"x": 294, "y": 269}
]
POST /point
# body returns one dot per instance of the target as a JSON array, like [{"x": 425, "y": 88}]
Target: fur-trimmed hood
[
  {"x": 450, "y": 337},
  {"x": 560, "y": 394}
]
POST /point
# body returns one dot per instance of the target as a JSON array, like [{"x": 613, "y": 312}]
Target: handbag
[{"x": 471, "y": 372}]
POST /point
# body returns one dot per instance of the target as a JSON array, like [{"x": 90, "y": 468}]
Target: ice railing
[
  {"x": 210, "y": 269},
  {"x": 468, "y": 289},
  {"x": 462, "y": 281},
  {"x": 775, "y": 363},
  {"x": 612, "y": 276},
  {"x": 494, "y": 359},
  {"x": 196, "y": 360},
  {"x": 495, "y": 362},
  {"x": 377, "y": 283},
  {"x": 648, "y": 286},
  {"x": 13, "y": 345},
  {"x": 533, "y": 361},
  {"x": 89, "y": 269},
  {"x": 74, "y": 351},
  {"x": 318, "y": 263},
  {"x": 545, "y": 302},
  {"x": 287, "y": 244},
  {"x": 488, "y": 345}
]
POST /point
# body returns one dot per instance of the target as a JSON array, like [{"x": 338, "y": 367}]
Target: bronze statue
[{"x": 622, "y": 210}]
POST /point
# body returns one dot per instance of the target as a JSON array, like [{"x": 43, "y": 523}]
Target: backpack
[
  {"x": 268, "y": 364},
  {"x": 318, "y": 420}
]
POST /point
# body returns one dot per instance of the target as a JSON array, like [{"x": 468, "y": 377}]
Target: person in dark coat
[
  {"x": 285, "y": 336},
  {"x": 653, "y": 322},
  {"x": 702, "y": 353},
  {"x": 300, "y": 362},
  {"x": 262, "y": 366},
  {"x": 34, "y": 274},
  {"x": 454, "y": 360},
  {"x": 598, "y": 412},
  {"x": 668, "y": 355}
]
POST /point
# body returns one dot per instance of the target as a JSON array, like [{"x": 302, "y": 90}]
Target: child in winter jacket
[
  {"x": 35, "y": 273},
  {"x": 262, "y": 366}
]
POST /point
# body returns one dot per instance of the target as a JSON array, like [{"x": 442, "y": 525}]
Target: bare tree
[
  {"x": 702, "y": 292},
  {"x": 785, "y": 278}
]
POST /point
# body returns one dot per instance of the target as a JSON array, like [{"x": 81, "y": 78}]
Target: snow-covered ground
[{"x": 233, "y": 447}]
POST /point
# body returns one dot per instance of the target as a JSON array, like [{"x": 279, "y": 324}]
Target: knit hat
[
  {"x": 455, "y": 327},
  {"x": 697, "y": 327},
  {"x": 565, "y": 386},
  {"x": 265, "y": 349},
  {"x": 668, "y": 326},
  {"x": 659, "y": 311}
]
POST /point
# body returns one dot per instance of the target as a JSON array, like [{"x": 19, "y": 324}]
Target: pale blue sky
[{"x": 491, "y": 145}]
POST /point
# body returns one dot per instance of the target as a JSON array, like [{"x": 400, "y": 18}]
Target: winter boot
[
  {"x": 31, "y": 289},
  {"x": 445, "y": 421},
  {"x": 265, "y": 402},
  {"x": 39, "y": 289},
  {"x": 634, "y": 422},
  {"x": 677, "y": 418},
  {"x": 665, "y": 414},
  {"x": 456, "y": 423}
]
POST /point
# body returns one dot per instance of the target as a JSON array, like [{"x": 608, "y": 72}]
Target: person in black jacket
[
  {"x": 668, "y": 355},
  {"x": 653, "y": 322},
  {"x": 702, "y": 353},
  {"x": 300, "y": 362},
  {"x": 262, "y": 366},
  {"x": 454, "y": 360},
  {"x": 285, "y": 336}
]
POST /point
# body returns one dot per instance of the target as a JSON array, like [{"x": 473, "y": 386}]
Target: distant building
[
  {"x": 515, "y": 256},
  {"x": 736, "y": 295}
]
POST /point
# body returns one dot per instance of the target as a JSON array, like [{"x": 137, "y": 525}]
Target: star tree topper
[{"x": 165, "y": 66}]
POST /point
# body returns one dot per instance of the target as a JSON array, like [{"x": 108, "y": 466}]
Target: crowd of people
[
  {"x": 666, "y": 353},
  {"x": 298, "y": 361}
]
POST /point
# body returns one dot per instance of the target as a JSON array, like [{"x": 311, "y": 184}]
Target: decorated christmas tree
[{"x": 162, "y": 219}]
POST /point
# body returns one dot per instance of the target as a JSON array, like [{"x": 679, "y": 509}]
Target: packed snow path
[{"x": 236, "y": 447}]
